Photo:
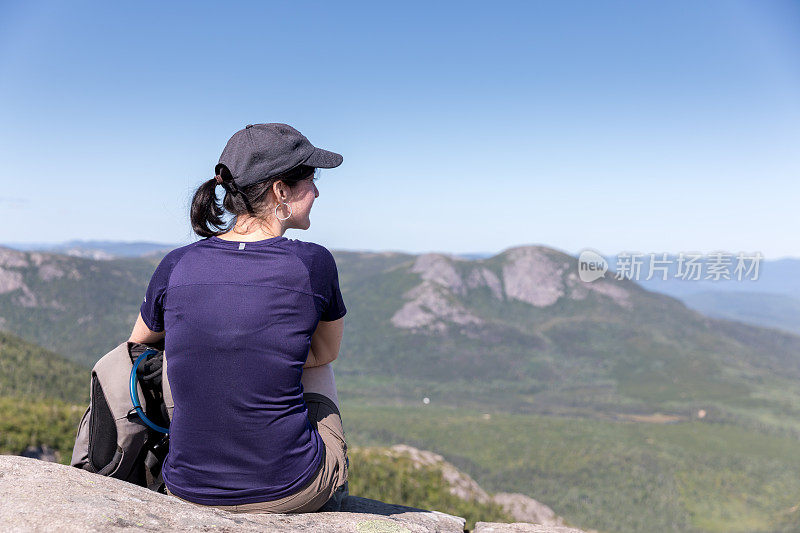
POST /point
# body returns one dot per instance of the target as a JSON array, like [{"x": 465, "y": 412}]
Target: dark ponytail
[{"x": 206, "y": 211}]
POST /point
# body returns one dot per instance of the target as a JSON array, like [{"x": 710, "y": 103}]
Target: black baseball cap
[{"x": 260, "y": 151}]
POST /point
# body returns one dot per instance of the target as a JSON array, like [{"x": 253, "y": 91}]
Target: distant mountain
[
  {"x": 762, "y": 309},
  {"x": 779, "y": 276},
  {"x": 95, "y": 249},
  {"x": 521, "y": 330},
  {"x": 772, "y": 300},
  {"x": 481, "y": 255},
  {"x": 518, "y": 329},
  {"x": 74, "y": 306}
]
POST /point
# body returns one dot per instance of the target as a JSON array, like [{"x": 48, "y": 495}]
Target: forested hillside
[{"x": 615, "y": 406}]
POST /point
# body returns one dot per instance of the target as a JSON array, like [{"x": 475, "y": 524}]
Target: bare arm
[
  {"x": 325, "y": 343},
  {"x": 141, "y": 333}
]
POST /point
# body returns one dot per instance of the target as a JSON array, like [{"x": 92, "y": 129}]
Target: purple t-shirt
[{"x": 239, "y": 317}]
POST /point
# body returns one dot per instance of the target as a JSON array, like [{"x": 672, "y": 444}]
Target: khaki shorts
[{"x": 329, "y": 485}]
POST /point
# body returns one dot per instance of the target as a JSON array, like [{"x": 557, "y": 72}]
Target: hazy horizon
[{"x": 298, "y": 235}]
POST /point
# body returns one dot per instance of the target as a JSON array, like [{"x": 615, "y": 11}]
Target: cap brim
[{"x": 323, "y": 159}]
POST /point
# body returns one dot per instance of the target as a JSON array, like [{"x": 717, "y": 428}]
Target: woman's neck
[{"x": 259, "y": 233}]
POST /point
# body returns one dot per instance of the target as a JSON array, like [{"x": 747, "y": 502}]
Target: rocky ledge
[{"x": 42, "y": 496}]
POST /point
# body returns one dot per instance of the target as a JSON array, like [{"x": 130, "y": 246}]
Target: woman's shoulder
[
  {"x": 310, "y": 249},
  {"x": 171, "y": 258},
  {"x": 317, "y": 259},
  {"x": 176, "y": 254}
]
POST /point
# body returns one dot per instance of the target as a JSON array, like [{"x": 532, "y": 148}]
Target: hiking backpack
[{"x": 114, "y": 438}]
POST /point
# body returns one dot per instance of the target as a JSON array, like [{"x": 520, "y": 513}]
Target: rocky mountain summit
[
  {"x": 519, "y": 506},
  {"x": 47, "y": 267},
  {"x": 534, "y": 275},
  {"x": 42, "y": 496}
]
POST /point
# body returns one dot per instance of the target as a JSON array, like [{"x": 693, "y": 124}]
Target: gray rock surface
[
  {"x": 526, "y": 509},
  {"x": 521, "y": 527},
  {"x": 41, "y": 496}
]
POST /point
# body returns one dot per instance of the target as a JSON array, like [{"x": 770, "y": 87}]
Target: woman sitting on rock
[{"x": 251, "y": 321}]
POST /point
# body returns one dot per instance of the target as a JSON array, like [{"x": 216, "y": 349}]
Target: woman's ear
[{"x": 281, "y": 190}]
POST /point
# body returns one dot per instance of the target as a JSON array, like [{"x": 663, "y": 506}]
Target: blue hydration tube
[{"x": 135, "y": 395}]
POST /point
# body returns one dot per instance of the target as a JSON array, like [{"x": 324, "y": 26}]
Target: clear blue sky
[{"x": 465, "y": 127}]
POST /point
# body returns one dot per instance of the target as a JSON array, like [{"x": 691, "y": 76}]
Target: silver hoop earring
[{"x": 276, "y": 210}]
